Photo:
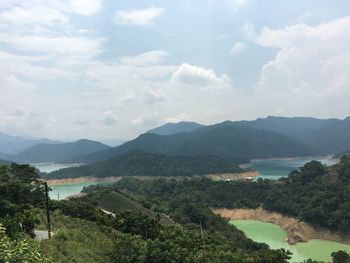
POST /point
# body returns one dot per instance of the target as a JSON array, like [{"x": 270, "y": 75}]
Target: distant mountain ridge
[
  {"x": 239, "y": 141},
  {"x": 173, "y": 128},
  {"x": 15, "y": 144},
  {"x": 330, "y": 135},
  {"x": 58, "y": 153}
]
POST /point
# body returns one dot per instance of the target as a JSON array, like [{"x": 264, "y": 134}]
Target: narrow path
[{"x": 41, "y": 235}]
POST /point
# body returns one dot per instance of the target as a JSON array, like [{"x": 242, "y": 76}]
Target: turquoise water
[
  {"x": 277, "y": 168},
  {"x": 64, "y": 190},
  {"x": 274, "y": 236},
  {"x": 50, "y": 167}
]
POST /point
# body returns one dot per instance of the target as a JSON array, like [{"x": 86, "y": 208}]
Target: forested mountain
[
  {"x": 16, "y": 144},
  {"x": 172, "y": 128},
  {"x": 330, "y": 135},
  {"x": 58, "y": 153},
  {"x": 237, "y": 142},
  {"x": 138, "y": 163}
]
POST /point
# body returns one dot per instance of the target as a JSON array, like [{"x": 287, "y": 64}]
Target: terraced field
[{"x": 117, "y": 202}]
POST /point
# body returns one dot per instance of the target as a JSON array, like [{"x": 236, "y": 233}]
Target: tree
[
  {"x": 340, "y": 257},
  {"x": 22, "y": 249}
]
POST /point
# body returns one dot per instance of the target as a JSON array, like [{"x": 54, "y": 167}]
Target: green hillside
[
  {"x": 173, "y": 128},
  {"x": 117, "y": 202},
  {"x": 58, "y": 153},
  {"x": 237, "y": 142},
  {"x": 137, "y": 163},
  {"x": 330, "y": 135}
]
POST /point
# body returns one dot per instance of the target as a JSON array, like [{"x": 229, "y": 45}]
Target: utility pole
[{"x": 47, "y": 210}]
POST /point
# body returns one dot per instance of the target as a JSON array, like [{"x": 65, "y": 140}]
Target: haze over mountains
[
  {"x": 58, "y": 153},
  {"x": 238, "y": 141},
  {"x": 15, "y": 144}
]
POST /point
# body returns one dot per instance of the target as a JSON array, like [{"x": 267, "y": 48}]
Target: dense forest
[
  {"x": 163, "y": 220},
  {"x": 135, "y": 232},
  {"x": 239, "y": 143},
  {"x": 138, "y": 163},
  {"x": 316, "y": 194}
]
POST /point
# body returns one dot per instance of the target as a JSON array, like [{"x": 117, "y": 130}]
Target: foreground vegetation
[
  {"x": 316, "y": 194},
  {"x": 164, "y": 220},
  {"x": 84, "y": 233}
]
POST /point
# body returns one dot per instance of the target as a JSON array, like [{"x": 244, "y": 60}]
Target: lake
[
  {"x": 274, "y": 236},
  {"x": 50, "y": 167},
  {"x": 268, "y": 168},
  {"x": 277, "y": 168},
  {"x": 64, "y": 190}
]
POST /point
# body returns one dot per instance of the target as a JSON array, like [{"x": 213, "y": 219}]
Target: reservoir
[
  {"x": 281, "y": 167},
  {"x": 62, "y": 191},
  {"x": 274, "y": 236},
  {"x": 268, "y": 168}
]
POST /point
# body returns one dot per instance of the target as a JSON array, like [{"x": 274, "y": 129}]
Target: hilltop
[
  {"x": 138, "y": 163},
  {"x": 173, "y": 128},
  {"x": 239, "y": 142},
  {"x": 59, "y": 152}
]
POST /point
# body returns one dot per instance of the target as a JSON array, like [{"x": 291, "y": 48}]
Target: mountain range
[
  {"x": 239, "y": 141},
  {"x": 58, "y": 153},
  {"x": 10, "y": 145},
  {"x": 173, "y": 128}
]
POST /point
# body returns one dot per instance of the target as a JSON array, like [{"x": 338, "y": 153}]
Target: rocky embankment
[{"x": 297, "y": 231}]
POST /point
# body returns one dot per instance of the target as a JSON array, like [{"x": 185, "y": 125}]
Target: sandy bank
[
  {"x": 217, "y": 177},
  {"x": 81, "y": 180},
  {"x": 297, "y": 231},
  {"x": 234, "y": 176}
]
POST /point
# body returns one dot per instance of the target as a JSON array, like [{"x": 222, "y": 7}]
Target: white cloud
[
  {"x": 153, "y": 95},
  {"x": 85, "y": 7},
  {"x": 138, "y": 17},
  {"x": 180, "y": 117},
  {"x": 237, "y": 48},
  {"x": 60, "y": 44},
  {"x": 311, "y": 68},
  {"x": 237, "y": 5},
  {"x": 109, "y": 118},
  {"x": 199, "y": 76},
  {"x": 20, "y": 16},
  {"x": 145, "y": 59}
]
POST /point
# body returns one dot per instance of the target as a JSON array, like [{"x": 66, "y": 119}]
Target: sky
[{"x": 106, "y": 69}]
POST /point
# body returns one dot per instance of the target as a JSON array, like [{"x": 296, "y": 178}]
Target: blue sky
[{"x": 103, "y": 69}]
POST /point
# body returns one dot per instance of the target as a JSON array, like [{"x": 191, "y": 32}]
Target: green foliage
[
  {"x": 79, "y": 241},
  {"x": 315, "y": 194},
  {"x": 20, "y": 192},
  {"x": 23, "y": 249},
  {"x": 137, "y": 163},
  {"x": 340, "y": 257},
  {"x": 58, "y": 152},
  {"x": 236, "y": 141}
]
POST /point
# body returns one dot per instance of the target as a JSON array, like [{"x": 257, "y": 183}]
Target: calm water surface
[
  {"x": 64, "y": 190},
  {"x": 277, "y": 168},
  {"x": 50, "y": 167},
  {"x": 274, "y": 236}
]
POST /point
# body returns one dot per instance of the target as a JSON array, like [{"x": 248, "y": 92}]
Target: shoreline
[
  {"x": 331, "y": 157},
  {"x": 216, "y": 177},
  {"x": 297, "y": 231},
  {"x": 83, "y": 179}
]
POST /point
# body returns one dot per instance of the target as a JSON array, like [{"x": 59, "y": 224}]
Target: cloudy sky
[{"x": 103, "y": 69}]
